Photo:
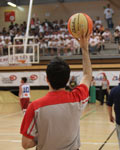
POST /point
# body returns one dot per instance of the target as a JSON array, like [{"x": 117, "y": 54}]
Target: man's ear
[
  {"x": 48, "y": 83},
  {"x": 47, "y": 79}
]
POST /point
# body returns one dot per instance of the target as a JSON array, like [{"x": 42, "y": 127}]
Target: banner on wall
[
  {"x": 112, "y": 76},
  {"x": 13, "y": 78},
  {"x": 9, "y": 16},
  {"x": 38, "y": 78}
]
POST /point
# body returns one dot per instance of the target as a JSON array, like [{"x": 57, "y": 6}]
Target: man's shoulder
[{"x": 39, "y": 102}]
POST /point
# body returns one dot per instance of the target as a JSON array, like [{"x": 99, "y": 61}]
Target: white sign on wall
[
  {"x": 112, "y": 76},
  {"x": 38, "y": 78},
  {"x": 14, "y": 78}
]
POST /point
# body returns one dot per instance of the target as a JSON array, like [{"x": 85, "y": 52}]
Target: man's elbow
[
  {"x": 28, "y": 144},
  {"x": 25, "y": 145}
]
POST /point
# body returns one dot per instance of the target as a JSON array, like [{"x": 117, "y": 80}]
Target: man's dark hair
[
  {"x": 58, "y": 73},
  {"x": 24, "y": 79}
]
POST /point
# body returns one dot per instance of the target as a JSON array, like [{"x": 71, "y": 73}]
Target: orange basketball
[{"x": 80, "y": 24}]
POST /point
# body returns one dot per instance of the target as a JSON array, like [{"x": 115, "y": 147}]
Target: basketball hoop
[{"x": 22, "y": 61}]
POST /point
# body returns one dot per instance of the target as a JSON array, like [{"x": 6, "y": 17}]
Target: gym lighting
[{"x": 11, "y": 4}]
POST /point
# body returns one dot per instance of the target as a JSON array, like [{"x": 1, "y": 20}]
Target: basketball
[{"x": 80, "y": 24}]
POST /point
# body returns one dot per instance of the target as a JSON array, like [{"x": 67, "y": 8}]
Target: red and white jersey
[
  {"x": 25, "y": 91},
  {"x": 55, "y": 118}
]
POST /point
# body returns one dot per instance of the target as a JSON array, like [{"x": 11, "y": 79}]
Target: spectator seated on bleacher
[
  {"x": 7, "y": 36},
  {"x": 37, "y": 22},
  {"x": 19, "y": 35},
  {"x": 19, "y": 49},
  {"x": 2, "y": 43},
  {"x": 61, "y": 46},
  {"x": 101, "y": 29},
  {"x": 118, "y": 28},
  {"x": 5, "y": 46},
  {"x": 107, "y": 35},
  {"x": 68, "y": 45},
  {"x": 4, "y": 31},
  {"x": 41, "y": 29},
  {"x": 76, "y": 47},
  {"x": 102, "y": 44},
  {"x": 43, "y": 47},
  {"x": 116, "y": 36},
  {"x": 1, "y": 36},
  {"x": 94, "y": 44},
  {"x": 98, "y": 22}
]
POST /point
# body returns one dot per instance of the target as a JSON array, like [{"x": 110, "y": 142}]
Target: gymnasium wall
[
  {"x": 60, "y": 11},
  {"x": 38, "y": 78}
]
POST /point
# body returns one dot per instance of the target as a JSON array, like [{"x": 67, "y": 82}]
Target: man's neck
[{"x": 52, "y": 90}]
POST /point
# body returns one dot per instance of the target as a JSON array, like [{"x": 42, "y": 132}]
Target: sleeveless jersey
[
  {"x": 25, "y": 91},
  {"x": 105, "y": 84}
]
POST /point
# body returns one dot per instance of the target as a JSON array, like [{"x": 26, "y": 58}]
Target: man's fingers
[{"x": 78, "y": 39}]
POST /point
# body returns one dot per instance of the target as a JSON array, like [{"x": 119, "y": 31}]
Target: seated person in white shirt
[
  {"x": 118, "y": 27},
  {"x": 2, "y": 43},
  {"x": 93, "y": 44},
  {"x": 98, "y": 22},
  {"x": 107, "y": 35},
  {"x": 76, "y": 47},
  {"x": 7, "y": 42},
  {"x": 61, "y": 46},
  {"x": 43, "y": 47},
  {"x": 116, "y": 36},
  {"x": 1, "y": 36},
  {"x": 7, "y": 36}
]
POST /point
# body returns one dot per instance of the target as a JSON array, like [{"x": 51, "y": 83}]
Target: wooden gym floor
[{"x": 95, "y": 125}]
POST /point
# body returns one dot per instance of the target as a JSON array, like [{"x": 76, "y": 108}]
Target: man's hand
[
  {"x": 84, "y": 41},
  {"x": 112, "y": 119},
  {"x": 27, "y": 143},
  {"x": 110, "y": 114}
]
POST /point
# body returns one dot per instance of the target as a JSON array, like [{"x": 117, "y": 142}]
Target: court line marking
[
  {"x": 87, "y": 114},
  {"x": 13, "y": 141},
  {"x": 105, "y": 142},
  {"x": 96, "y": 143},
  {"x": 96, "y": 122}
]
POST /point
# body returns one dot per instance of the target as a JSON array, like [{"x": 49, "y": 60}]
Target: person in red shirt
[{"x": 53, "y": 121}]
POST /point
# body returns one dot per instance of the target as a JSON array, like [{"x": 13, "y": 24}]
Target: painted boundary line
[
  {"x": 87, "y": 114},
  {"x": 107, "y": 139}
]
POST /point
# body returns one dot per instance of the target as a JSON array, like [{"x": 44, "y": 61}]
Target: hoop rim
[{"x": 22, "y": 61}]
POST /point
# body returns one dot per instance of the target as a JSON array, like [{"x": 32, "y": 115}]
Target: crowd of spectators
[{"x": 54, "y": 38}]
